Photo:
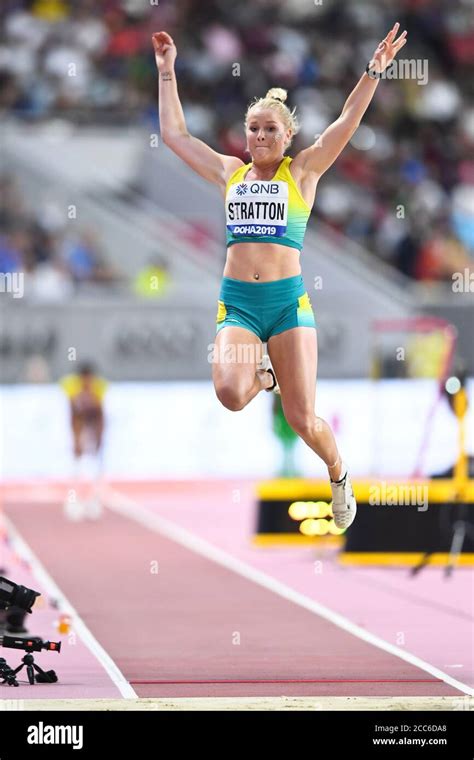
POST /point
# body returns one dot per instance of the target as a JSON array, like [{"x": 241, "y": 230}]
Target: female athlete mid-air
[{"x": 263, "y": 297}]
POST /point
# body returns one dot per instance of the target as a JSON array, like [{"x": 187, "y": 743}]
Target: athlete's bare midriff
[
  {"x": 261, "y": 262},
  {"x": 264, "y": 262}
]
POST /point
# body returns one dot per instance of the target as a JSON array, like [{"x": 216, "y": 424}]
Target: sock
[{"x": 342, "y": 478}]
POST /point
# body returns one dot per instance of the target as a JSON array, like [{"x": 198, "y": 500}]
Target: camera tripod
[
  {"x": 43, "y": 676},
  {"x": 6, "y": 673},
  {"x": 455, "y": 530}
]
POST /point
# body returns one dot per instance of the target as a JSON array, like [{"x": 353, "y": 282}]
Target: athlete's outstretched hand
[
  {"x": 387, "y": 50},
  {"x": 165, "y": 50}
]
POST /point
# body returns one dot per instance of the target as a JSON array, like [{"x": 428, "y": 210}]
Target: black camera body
[{"x": 14, "y": 595}]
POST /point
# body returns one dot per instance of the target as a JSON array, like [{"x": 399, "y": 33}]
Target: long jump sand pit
[{"x": 243, "y": 703}]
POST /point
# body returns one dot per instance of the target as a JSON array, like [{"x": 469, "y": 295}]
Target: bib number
[{"x": 257, "y": 208}]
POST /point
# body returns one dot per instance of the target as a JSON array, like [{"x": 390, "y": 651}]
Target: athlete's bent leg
[{"x": 236, "y": 356}]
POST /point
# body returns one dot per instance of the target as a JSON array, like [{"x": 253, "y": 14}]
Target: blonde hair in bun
[{"x": 275, "y": 99}]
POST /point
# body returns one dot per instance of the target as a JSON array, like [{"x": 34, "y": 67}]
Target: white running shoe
[
  {"x": 93, "y": 509},
  {"x": 266, "y": 365},
  {"x": 344, "y": 506},
  {"x": 74, "y": 510}
]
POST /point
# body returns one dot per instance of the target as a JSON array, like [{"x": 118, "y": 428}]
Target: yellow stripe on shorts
[{"x": 221, "y": 311}]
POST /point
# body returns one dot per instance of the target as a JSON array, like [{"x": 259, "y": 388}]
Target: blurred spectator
[
  {"x": 154, "y": 280},
  {"x": 47, "y": 282},
  {"x": 84, "y": 260},
  {"x": 441, "y": 255},
  {"x": 11, "y": 258},
  {"x": 414, "y": 150},
  {"x": 12, "y": 208},
  {"x": 55, "y": 259}
]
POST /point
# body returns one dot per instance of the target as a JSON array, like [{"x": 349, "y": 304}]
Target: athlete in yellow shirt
[{"x": 85, "y": 391}]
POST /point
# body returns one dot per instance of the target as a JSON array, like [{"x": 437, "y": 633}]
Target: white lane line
[
  {"x": 23, "y": 550},
  {"x": 127, "y": 507}
]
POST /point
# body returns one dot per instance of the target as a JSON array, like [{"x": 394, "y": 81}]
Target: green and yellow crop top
[{"x": 266, "y": 211}]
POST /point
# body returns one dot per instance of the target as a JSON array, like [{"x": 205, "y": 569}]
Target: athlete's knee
[
  {"x": 233, "y": 397},
  {"x": 303, "y": 422}
]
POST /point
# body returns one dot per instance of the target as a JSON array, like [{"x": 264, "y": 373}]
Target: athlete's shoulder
[
  {"x": 234, "y": 166},
  {"x": 69, "y": 384},
  {"x": 100, "y": 386},
  {"x": 292, "y": 169}
]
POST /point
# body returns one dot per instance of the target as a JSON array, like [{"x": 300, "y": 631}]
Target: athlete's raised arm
[
  {"x": 320, "y": 156},
  {"x": 213, "y": 166}
]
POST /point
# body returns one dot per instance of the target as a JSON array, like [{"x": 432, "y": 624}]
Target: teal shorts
[{"x": 264, "y": 308}]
